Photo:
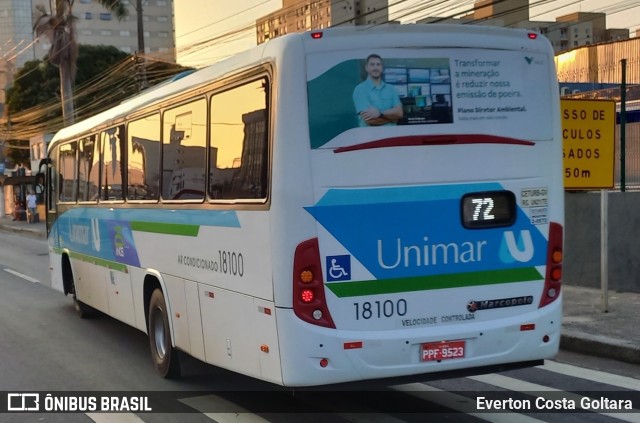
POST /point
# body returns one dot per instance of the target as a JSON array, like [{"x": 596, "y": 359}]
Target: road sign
[{"x": 588, "y": 132}]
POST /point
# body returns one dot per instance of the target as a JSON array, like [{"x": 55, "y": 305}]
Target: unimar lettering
[
  {"x": 79, "y": 234},
  {"x": 398, "y": 254}
]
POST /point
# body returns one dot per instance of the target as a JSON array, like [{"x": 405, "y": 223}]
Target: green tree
[
  {"x": 18, "y": 153},
  {"x": 59, "y": 27},
  {"x": 38, "y": 82},
  {"x": 35, "y": 83},
  {"x": 105, "y": 77}
]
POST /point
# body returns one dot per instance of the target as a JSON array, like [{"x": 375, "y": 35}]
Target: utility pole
[
  {"x": 623, "y": 124},
  {"x": 141, "y": 65}
]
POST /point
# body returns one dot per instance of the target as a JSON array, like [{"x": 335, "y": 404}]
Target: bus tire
[
  {"x": 82, "y": 310},
  {"x": 164, "y": 356}
]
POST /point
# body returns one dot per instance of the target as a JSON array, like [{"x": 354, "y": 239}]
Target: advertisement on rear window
[{"x": 478, "y": 91}]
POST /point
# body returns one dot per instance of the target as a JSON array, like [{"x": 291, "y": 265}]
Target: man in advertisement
[{"x": 377, "y": 103}]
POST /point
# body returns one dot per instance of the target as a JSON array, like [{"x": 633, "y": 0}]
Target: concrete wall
[{"x": 582, "y": 240}]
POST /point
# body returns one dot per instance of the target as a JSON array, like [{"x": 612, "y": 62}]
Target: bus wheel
[
  {"x": 83, "y": 310},
  {"x": 164, "y": 356}
]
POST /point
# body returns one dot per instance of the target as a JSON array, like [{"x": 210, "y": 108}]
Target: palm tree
[{"x": 59, "y": 27}]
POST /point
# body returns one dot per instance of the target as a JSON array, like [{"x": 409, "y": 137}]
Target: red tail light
[
  {"x": 309, "y": 301},
  {"x": 553, "y": 278}
]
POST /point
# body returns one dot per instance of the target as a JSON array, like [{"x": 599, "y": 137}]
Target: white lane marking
[
  {"x": 369, "y": 418},
  {"x": 592, "y": 375},
  {"x": 213, "y": 407},
  {"x": 208, "y": 403},
  {"x": 461, "y": 404},
  {"x": 524, "y": 386},
  {"x": 20, "y": 275},
  {"x": 114, "y": 418}
]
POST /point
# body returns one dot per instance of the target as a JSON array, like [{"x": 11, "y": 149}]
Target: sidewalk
[
  {"x": 586, "y": 328},
  {"x": 37, "y": 230}
]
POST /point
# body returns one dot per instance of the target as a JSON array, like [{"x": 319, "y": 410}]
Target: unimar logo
[
  {"x": 513, "y": 248},
  {"x": 422, "y": 234},
  {"x": 520, "y": 250}
]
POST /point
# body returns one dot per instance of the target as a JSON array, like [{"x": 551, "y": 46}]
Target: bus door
[{"x": 52, "y": 188}]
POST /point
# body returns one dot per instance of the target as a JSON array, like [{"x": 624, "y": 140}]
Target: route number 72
[{"x": 483, "y": 208}]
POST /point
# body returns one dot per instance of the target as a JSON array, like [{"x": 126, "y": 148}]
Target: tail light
[
  {"x": 553, "y": 278},
  {"x": 309, "y": 301}
]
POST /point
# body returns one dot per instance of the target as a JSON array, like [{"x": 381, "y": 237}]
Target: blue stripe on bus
[
  {"x": 412, "y": 232},
  {"x": 107, "y": 234},
  {"x": 335, "y": 197},
  {"x": 221, "y": 218}
]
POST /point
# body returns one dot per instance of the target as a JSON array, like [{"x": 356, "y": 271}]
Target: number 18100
[{"x": 378, "y": 309}]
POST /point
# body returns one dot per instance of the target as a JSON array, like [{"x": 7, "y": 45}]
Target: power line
[{"x": 40, "y": 117}]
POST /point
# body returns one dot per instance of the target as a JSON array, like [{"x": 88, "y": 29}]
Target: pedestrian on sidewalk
[
  {"x": 31, "y": 206},
  {"x": 18, "y": 209}
]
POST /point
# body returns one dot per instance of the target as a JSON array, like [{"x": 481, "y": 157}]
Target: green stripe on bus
[
  {"x": 424, "y": 283},
  {"x": 165, "y": 228},
  {"x": 113, "y": 265}
]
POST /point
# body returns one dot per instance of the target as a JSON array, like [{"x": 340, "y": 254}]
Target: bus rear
[{"x": 436, "y": 231}]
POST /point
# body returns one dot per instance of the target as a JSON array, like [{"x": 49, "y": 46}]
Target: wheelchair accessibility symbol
[{"x": 338, "y": 268}]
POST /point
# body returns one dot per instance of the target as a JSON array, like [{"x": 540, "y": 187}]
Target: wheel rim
[{"x": 159, "y": 334}]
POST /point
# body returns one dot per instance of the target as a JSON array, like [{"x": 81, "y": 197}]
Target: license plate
[{"x": 442, "y": 350}]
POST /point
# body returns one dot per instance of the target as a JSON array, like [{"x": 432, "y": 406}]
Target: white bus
[{"x": 260, "y": 216}]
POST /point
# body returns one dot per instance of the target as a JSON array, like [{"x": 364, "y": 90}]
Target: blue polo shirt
[{"x": 382, "y": 97}]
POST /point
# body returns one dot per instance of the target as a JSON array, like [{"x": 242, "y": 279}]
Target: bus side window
[
  {"x": 111, "y": 164},
  {"x": 89, "y": 163},
  {"x": 143, "y": 151},
  {"x": 68, "y": 172},
  {"x": 183, "y": 151},
  {"x": 238, "y": 156}
]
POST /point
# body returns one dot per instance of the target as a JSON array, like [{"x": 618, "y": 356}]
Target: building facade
[
  {"x": 96, "y": 26},
  {"x": 16, "y": 32},
  {"x": 565, "y": 33},
  {"x": 576, "y": 30},
  {"x": 508, "y": 13},
  {"x": 601, "y": 63},
  {"x": 305, "y": 15}
]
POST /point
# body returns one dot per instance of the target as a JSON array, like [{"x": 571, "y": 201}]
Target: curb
[
  {"x": 32, "y": 233},
  {"x": 600, "y": 346}
]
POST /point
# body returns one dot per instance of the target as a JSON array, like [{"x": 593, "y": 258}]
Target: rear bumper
[{"x": 397, "y": 353}]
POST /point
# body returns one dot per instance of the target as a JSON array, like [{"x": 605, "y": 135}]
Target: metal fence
[{"x": 632, "y": 156}]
